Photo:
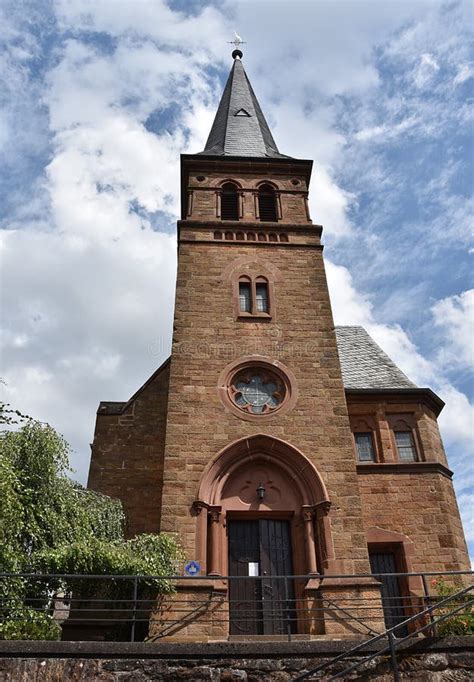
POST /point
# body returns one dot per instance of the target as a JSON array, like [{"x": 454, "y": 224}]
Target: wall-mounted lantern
[{"x": 260, "y": 492}]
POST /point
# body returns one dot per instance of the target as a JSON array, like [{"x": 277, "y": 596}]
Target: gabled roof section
[
  {"x": 364, "y": 365},
  {"x": 240, "y": 128}
]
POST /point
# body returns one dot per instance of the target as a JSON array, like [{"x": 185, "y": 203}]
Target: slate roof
[
  {"x": 364, "y": 364},
  {"x": 240, "y": 128}
]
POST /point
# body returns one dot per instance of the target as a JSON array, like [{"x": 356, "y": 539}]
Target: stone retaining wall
[{"x": 424, "y": 661}]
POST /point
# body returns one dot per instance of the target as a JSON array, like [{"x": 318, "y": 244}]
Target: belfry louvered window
[
  {"x": 229, "y": 202},
  {"x": 267, "y": 207}
]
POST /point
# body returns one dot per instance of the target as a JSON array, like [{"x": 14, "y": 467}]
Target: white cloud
[
  {"x": 454, "y": 316},
  {"x": 329, "y": 204},
  {"x": 387, "y": 132},
  {"x": 465, "y": 72},
  {"x": 425, "y": 70},
  {"x": 465, "y": 502},
  {"x": 133, "y": 18}
]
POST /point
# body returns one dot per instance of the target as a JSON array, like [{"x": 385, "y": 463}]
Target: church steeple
[{"x": 240, "y": 128}]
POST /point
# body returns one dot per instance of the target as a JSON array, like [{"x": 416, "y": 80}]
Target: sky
[{"x": 98, "y": 100}]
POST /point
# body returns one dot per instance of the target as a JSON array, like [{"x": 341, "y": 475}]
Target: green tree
[{"x": 51, "y": 524}]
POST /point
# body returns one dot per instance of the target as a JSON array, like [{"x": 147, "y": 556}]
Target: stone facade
[{"x": 185, "y": 459}]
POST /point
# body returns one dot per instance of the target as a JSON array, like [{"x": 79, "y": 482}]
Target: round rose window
[
  {"x": 255, "y": 388},
  {"x": 257, "y": 391}
]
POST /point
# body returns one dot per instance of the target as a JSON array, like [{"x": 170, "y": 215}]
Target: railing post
[
  {"x": 134, "y": 619},
  {"x": 393, "y": 657},
  {"x": 427, "y": 602},
  {"x": 287, "y": 610}
]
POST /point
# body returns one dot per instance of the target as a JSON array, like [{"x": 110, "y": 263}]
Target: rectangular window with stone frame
[{"x": 364, "y": 446}]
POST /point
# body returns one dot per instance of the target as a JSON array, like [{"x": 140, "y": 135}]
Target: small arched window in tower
[
  {"x": 262, "y": 303},
  {"x": 245, "y": 295},
  {"x": 229, "y": 202},
  {"x": 267, "y": 208},
  {"x": 405, "y": 440}
]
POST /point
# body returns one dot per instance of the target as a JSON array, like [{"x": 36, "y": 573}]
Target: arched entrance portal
[{"x": 262, "y": 511}]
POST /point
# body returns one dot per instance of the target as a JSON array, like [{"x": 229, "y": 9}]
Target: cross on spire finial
[{"x": 237, "y": 53}]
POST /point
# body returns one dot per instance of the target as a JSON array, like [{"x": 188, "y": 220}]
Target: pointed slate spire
[{"x": 240, "y": 128}]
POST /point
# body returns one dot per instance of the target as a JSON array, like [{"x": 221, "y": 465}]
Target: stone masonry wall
[
  {"x": 435, "y": 666},
  {"x": 419, "y": 503},
  {"x": 422, "y": 507},
  {"x": 301, "y": 335},
  {"x": 127, "y": 453}
]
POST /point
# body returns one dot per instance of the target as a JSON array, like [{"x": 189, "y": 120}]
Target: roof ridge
[{"x": 231, "y": 75}]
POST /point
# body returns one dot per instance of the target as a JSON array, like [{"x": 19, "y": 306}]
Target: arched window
[
  {"x": 253, "y": 296},
  {"x": 245, "y": 295},
  {"x": 364, "y": 430},
  {"x": 229, "y": 202},
  {"x": 267, "y": 208},
  {"x": 262, "y": 302},
  {"x": 405, "y": 437}
]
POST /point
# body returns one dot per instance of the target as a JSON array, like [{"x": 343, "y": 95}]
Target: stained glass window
[
  {"x": 405, "y": 445},
  {"x": 364, "y": 445},
  {"x": 257, "y": 393}
]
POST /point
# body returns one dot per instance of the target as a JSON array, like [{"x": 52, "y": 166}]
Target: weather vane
[{"x": 237, "y": 41}]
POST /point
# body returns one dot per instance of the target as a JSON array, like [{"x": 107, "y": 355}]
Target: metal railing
[
  {"x": 138, "y": 608},
  {"x": 393, "y": 641}
]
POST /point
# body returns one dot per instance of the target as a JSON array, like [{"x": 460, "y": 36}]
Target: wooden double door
[{"x": 259, "y": 602}]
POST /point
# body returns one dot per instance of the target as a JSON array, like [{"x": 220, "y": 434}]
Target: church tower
[
  {"x": 256, "y": 396},
  {"x": 271, "y": 442}
]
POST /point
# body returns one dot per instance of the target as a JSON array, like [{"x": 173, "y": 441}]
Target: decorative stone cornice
[{"x": 404, "y": 468}]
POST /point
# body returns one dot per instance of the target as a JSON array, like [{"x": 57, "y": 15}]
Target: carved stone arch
[
  {"x": 256, "y": 264},
  {"x": 294, "y": 490},
  {"x": 362, "y": 424},
  {"x": 218, "y": 183},
  {"x": 401, "y": 424},
  {"x": 270, "y": 183},
  {"x": 300, "y": 469}
]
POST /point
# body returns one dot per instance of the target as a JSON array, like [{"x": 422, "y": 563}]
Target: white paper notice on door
[{"x": 253, "y": 568}]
